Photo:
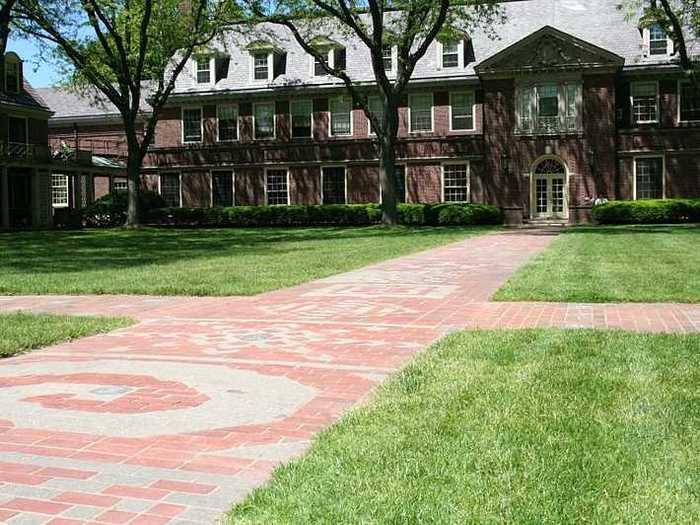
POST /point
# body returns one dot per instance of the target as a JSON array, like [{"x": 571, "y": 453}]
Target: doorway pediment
[{"x": 548, "y": 49}]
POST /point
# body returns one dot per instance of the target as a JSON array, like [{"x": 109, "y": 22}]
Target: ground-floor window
[
  {"x": 333, "y": 186},
  {"x": 649, "y": 178},
  {"x": 276, "y": 187},
  {"x": 170, "y": 189},
  {"x": 120, "y": 185},
  {"x": 59, "y": 190},
  {"x": 222, "y": 188},
  {"x": 455, "y": 182}
]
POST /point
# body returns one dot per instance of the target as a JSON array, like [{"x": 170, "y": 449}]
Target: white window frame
[
  {"x": 291, "y": 117},
  {"x": 473, "y": 96},
  {"x": 330, "y": 117},
  {"x": 201, "y": 124},
  {"x": 432, "y": 113},
  {"x": 114, "y": 183},
  {"x": 14, "y": 63},
  {"x": 238, "y": 122},
  {"x": 646, "y": 35},
  {"x": 405, "y": 182},
  {"x": 680, "y": 84},
  {"x": 460, "y": 55},
  {"x": 345, "y": 179},
  {"x": 636, "y": 122},
  {"x": 394, "y": 58},
  {"x": 330, "y": 59},
  {"x": 212, "y": 70},
  {"x": 270, "y": 66},
  {"x": 634, "y": 173},
  {"x": 369, "y": 106},
  {"x": 277, "y": 168},
  {"x": 179, "y": 175},
  {"x": 211, "y": 185},
  {"x": 442, "y": 179},
  {"x": 531, "y": 89},
  {"x": 67, "y": 190},
  {"x": 274, "y": 120}
]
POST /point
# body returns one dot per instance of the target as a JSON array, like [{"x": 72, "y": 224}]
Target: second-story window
[
  {"x": 421, "y": 110},
  {"x": 450, "y": 54},
  {"x": 227, "y": 119},
  {"x": 658, "y": 41},
  {"x": 341, "y": 116},
  {"x": 644, "y": 102},
  {"x": 12, "y": 77},
  {"x": 690, "y": 102},
  {"x": 203, "y": 70},
  {"x": 336, "y": 58},
  {"x": 17, "y": 130},
  {"x": 376, "y": 107},
  {"x": 461, "y": 111},
  {"x": 192, "y": 125},
  {"x": 549, "y": 107},
  {"x": 388, "y": 57},
  {"x": 261, "y": 66},
  {"x": 264, "y": 116},
  {"x": 301, "y": 111}
]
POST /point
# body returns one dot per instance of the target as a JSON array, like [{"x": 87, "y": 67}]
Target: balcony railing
[
  {"x": 549, "y": 125},
  {"x": 19, "y": 151}
]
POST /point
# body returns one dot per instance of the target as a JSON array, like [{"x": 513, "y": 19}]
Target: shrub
[
  {"x": 318, "y": 215},
  {"x": 661, "y": 211},
  {"x": 110, "y": 210}
]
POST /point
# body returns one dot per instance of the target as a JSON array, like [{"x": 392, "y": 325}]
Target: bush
[
  {"x": 659, "y": 211},
  {"x": 110, "y": 210},
  {"x": 320, "y": 215}
]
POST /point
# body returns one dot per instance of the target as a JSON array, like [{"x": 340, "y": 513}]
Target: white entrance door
[{"x": 549, "y": 191}]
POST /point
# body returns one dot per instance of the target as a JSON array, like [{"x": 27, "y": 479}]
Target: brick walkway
[{"x": 173, "y": 419}]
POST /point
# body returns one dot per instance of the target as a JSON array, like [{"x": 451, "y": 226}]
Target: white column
[{"x": 5, "y": 196}]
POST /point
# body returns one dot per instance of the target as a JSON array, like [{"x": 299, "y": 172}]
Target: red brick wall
[
  {"x": 102, "y": 185},
  {"x": 305, "y": 185},
  {"x": 196, "y": 189},
  {"x": 38, "y": 131},
  {"x": 250, "y": 186},
  {"x": 363, "y": 184},
  {"x": 209, "y": 124},
  {"x": 169, "y": 128},
  {"x": 424, "y": 183}
]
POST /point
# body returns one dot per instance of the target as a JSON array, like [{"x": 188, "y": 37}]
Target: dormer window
[
  {"x": 333, "y": 53},
  {"x": 450, "y": 54},
  {"x": 203, "y": 70},
  {"x": 388, "y": 57},
  {"x": 658, "y": 41},
  {"x": 12, "y": 82},
  {"x": 261, "y": 66}
]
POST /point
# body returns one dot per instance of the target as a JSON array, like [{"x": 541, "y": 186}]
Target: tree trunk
[
  {"x": 133, "y": 171},
  {"x": 387, "y": 162}
]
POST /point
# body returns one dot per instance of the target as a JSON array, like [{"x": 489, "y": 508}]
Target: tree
[
  {"x": 6, "y": 12},
  {"x": 409, "y": 25},
  {"x": 127, "y": 50}
]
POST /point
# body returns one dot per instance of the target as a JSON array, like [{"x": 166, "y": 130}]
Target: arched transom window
[{"x": 549, "y": 166}]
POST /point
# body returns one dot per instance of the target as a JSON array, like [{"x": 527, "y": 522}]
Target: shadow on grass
[{"x": 71, "y": 251}]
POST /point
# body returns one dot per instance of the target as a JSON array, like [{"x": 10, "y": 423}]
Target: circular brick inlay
[{"x": 132, "y": 398}]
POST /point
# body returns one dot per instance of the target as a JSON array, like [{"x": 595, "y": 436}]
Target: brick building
[{"x": 572, "y": 102}]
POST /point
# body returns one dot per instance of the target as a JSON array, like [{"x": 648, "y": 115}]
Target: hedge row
[
  {"x": 330, "y": 214},
  {"x": 648, "y": 211}
]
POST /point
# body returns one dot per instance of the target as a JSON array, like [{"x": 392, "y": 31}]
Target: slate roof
[
  {"x": 28, "y": 98},
  {"x": 68, "y": 103}
]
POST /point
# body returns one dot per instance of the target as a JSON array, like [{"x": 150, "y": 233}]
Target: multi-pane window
[
  {"x": 421, "y": 109},
  {"x": 376, "y": 107},
  {"x": 388, "y": 57},
  {"x": 333, "y": 187},
  {"x": 644, "y": 102},
  {"x": 264, "y": 117},
  {"x": 203, "y": 70},
  {"x": 690, "y": 102},
  {"x": 227, "y": 121},
  {"x": 461, "y": 111},
  {"x": 222, "y": 188},
  {"x": 276, "y": 187},
  {"x": 261, "y": 66},
  {"x": 339, "y": 58},
  {"x": 450, "y": 54},
  {"x": 192, "y": 125},
  {"x": 658, "y": 42},
  {"x": 549, "y": 108},
  {"x": 649, "y": 176},
  {"x": 301, "y": 111},
  {"x": 341, "y": 114},
  {"x": 12, "y": 77},
  {"x": 170, "y": 189},
  {"x": 59, "y": 190},
  {"x": 319, "y": 70},
  {"x": 455, "y": 182},
  {"x": 120, "y": 184}
]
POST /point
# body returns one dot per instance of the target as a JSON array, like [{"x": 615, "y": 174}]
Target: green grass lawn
[
  {"x": 533, "y": 427},
  {"x": 199, "y": 262},
  {"x": 613, "y": 264},
  {"x": 20, "y": 332}
]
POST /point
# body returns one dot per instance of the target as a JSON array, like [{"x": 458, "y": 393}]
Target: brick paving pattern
[{"x": 175, "y": 418}]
